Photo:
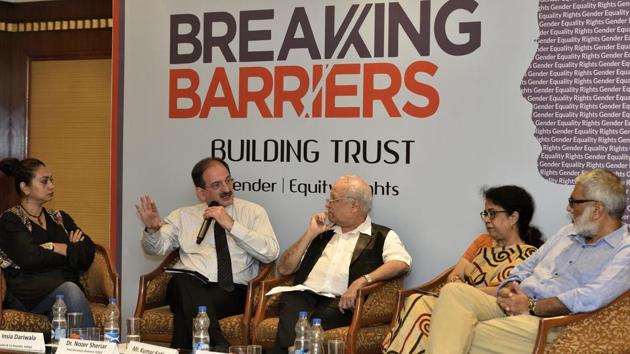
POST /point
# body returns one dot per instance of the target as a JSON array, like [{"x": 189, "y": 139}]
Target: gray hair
[
  {"x": 358, "y": 189},
  {"x": 605, "y": 187}
]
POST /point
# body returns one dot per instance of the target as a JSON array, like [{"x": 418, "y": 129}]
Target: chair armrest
[
  {"x": 101, "y": 281},
  {"x": 263, "y": 300},
  {"x": 379, "y": 292},
  {"x": 253, "y": 286},
  {"x": 263, "y": 272},
  {"x": 546, "y": 324},
  {"x": 360, "y": 301},
  {"x": 432, "y": 285},
  {"x": 605, "y": 313},
  {"x": 156, "y": 278}
]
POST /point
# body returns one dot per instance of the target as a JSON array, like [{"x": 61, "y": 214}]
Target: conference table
[{"x": 49, "y": 350}]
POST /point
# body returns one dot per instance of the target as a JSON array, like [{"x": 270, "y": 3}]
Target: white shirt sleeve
[
  {"x": 164, "y": 240},
  {"x": 257, "y": 238},
  {"x": 394, "y": 250}
]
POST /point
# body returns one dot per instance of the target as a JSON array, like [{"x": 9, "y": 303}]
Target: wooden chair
[
  {"x": 157, "y": 324},
  {"x": 605, "y": 331},
  {"x": 374, "y": 308},
  {"x": 100, "y": 282}
]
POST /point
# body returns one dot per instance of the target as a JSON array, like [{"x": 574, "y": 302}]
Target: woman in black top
[{"x": 42, "y": 251}]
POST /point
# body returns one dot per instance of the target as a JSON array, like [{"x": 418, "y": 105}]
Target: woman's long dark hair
[
  {"x": 514, "y": 198},
  {"x": 22, "y": 171}
]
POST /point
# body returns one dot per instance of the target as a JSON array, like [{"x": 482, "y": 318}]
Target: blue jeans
[{"x": 75, "y": 301}]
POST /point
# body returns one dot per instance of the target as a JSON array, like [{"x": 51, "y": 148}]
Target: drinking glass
[
  {"x": 133, "y": 329},
  {"x": 75, "y": 319},
  {"x": 254, "y": 349},
  {"x": 238, "y": 349},
  {"x": 336, "y": 346},
  {"x": 93, "y": 333},
  {"x": 77, "y": 333}
]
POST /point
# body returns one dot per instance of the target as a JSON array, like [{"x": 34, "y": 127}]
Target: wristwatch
[
  {"x": 49, "y": 246},
  {"x": 531, "y": 305},
  {"x": 368, "y": 278}
]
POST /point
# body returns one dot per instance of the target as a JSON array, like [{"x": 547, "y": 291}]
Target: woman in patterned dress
[
  {"x": 487, "y": 261},
  {"x": 42, "y": 251}
]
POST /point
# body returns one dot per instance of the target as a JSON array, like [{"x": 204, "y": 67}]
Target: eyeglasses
[
  {"x": 490, "y": 214},
  {"x": 218, "y": 184},
  {"x": 333, "y": 201},
  {"x": 573, "y": 202}
]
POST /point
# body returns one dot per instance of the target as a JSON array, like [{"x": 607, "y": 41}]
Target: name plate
[
  {"x": 67, "y": 346},
  {"x": 137, "y": 347},
  {"x": 31, "y": 342}
]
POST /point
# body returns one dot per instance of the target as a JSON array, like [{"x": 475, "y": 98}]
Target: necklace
[{"x": 37, "y": 217}]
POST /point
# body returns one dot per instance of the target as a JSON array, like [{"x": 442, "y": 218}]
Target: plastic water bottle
[
  {"x": 112, "y": 328},
  {"x": 317, "y": 337},
  {"x": 59, "y": 325},
  {"x": 201, "y": 338},
  {"x": 302, "y": 329}
]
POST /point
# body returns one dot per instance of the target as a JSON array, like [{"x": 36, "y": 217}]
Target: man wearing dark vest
[{"x": 340, "y": 252}]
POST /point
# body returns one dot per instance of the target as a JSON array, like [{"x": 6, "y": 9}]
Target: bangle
[
  {"x": 52, "y": 247},
  {"x": 368, "y": 278},
  {"x": 531, "y": 306}
]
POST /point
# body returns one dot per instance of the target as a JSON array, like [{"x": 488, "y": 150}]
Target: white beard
[{"x": 584, "y": 226}]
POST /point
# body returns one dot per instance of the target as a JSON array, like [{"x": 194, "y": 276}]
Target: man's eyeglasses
[
  {"x": 218, "y": 184},
  {"x": 490, "y": 214},
  {"x": 573, "y": 202},
  {"x": 333, "y": 201}
]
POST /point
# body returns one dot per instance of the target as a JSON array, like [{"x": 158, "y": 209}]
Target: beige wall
[{"x": 70, "y": 130}]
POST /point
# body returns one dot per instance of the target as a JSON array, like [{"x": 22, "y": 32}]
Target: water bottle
[
  {"x": 201, "y": 338},
  {"x": 302, "y": 340},
  {"x": 317, "y": 337},
  {"x": 112, "y": 328},
  {"x": 59, "y": 325}
]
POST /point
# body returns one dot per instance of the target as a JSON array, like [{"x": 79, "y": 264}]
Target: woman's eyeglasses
[{"x": 490, "y": 214}]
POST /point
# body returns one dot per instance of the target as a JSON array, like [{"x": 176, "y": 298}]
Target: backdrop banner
[{"x": 429, "y": 101}]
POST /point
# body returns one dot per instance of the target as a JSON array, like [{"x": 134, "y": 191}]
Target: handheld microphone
[{"x": 205, "y": 225}]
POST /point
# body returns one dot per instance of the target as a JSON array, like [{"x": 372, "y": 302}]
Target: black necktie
[{"x": 224, "y": 263}]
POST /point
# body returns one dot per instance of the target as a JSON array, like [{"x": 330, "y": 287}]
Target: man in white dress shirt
[
  {"x": 239, "y": 237},
  {"x": 340, "y": 252}
]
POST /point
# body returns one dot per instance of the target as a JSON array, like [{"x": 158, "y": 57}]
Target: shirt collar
[
  {"x": 364, "y": 228},
  {"x": 613, "y": 239}
]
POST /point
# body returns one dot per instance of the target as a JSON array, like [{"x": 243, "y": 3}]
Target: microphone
[{"x": 205, "y": 225}]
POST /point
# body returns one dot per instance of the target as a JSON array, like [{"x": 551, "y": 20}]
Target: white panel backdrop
[{"x": 481, "y": 134}]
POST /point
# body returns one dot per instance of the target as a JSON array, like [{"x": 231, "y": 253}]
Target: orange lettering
[
  {"x": 281, "y": 95},
  {"x": 431, "y": 94},
  {"x": 385, "y": 95},
  {"x": 258, "y": 97},
  {"x": 176, "y": 93},
  {"x": 334, "y": 90},
  {"x": 219, "y": 79}
]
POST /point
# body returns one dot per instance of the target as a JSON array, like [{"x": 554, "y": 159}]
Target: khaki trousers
[{"x": 466, "y": 320}]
